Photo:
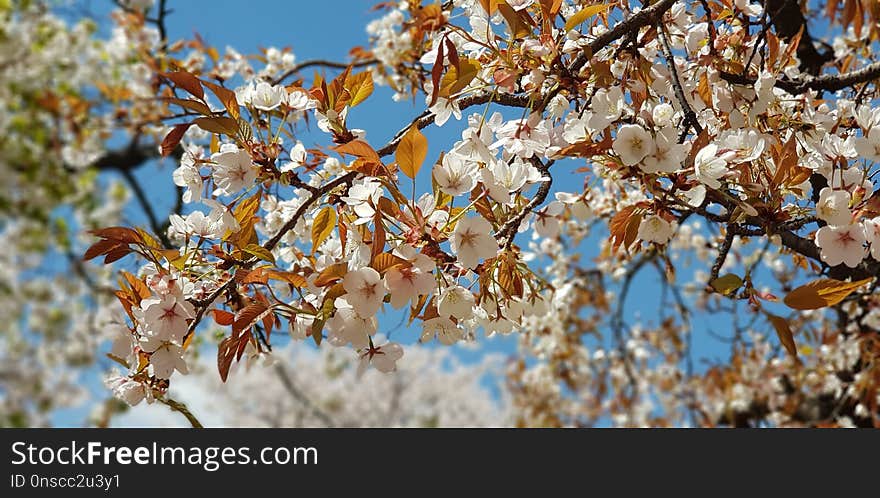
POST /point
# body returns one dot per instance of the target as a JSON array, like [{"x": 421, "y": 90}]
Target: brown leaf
[
  {"x": 172, "y": 139},
  {"x": 218, "y": 124},
  {"x": 359, "y": 148},
  {"x": 226, "y": 97},
  {"x": 189, "y": 104},
  {"x": 784, "y": 333},
  {"x": 223, "y": 317},
  {"x": 186, "y": 81},
  {"x": 121, "y": 234},
  {"x": 248, "y": 316},
  {"x": 331, "y": 274},
  {"x": 624, "y": 227},
  {"x": 821, "y": 293},
  {"x": 226, "y": 354},
  {"x": 436, "y": 72},
  {"x": 386, "y": 261}
]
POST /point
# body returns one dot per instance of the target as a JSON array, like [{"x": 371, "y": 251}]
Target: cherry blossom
[
  {"x": 166, "y": 317},
  {"x": 365, "y": 290},
  {"x": 233, "y": 169},
  {"x": 842, "y": 244},
  {"x": 443, "y": 329},
  {"x": 632, "y": 144},
  {"x": 455, "y": 175},
  {"x": 710, "y": 165},
  {"x": 383, "y": 358},
  {"x": 456, "y": 301},
  {"x": 267, "y": 97},
  {"x": 833, "y": 206},
  {"x": 472, "y": 242},
  {"x": 655, "y": 229},
  {"x": 407, "y": 283}
]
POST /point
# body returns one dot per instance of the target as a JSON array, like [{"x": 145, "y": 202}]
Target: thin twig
[
  {"x": 322, "y": 63},
  {"x": 690, "y": 117},
  {"x": 182, "y": 409}
]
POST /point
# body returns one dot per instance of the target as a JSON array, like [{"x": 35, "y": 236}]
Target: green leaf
[
  {"x": 260, "y": 252},
  {"x": 726, "y": 284}
]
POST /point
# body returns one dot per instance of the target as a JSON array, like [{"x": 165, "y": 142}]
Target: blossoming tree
[{"x": 724, "y": 145}]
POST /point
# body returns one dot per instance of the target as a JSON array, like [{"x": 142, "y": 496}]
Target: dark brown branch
[
  {"x": 127, "y": 158},
  {"x": 643, "y": 18},
  {"x": 508, "y": 231},
  {"x": 828, "y": 82},
  {"x": 788, "y": 20},
  {"x": 690, "y": 118},
  {"x": 723, "y": 250}
]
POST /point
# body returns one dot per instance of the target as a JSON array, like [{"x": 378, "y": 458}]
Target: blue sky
[{"x": 328, "y": 30}]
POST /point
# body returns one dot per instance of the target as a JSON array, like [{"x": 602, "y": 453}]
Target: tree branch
[
  {"x": 507, "y": 232},
  {"x": 182, "y": 409},
  {"x": 322, "y": 63},
  {"x": 690, "y": 118},
  {"x": 828, "y": 82}
]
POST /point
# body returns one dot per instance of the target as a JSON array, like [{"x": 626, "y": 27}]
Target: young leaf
[
  {"x": 323, "y": 226},
  {"x": 458, "y": 78},
  {"x": 784, "y": 333},
  {"x": 249, "y": 316},
  {"x": 584, "y": 14},
  {"x": 821, "y": 293},
  {"x": 188, "y": 82},
  {"x": 624, "y": 227},
  {"x": 191, "y": 105},
  {"x": 223, "y": 317},
  {"x": 359, "y": 148},
  {"x": 219, "y": 124},
  {"x": 436, "y": 72},
  {"x": 172, "y": 139},
  {"x": 331, "y": 274},
  {"x": 360, "y": 86},
  {"x": 411, "y": 152},
  {"x": 726, "y": 284},
  {"x": 227, "y": 98},
  {"x": 260, "y": 252}
]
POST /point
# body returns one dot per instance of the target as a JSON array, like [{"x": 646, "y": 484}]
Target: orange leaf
[
  {"x": 322, "y": 226},
  {"x": 331, "y": 274},
  {"x": 411, "y": 152},
  {"x": 821, "y": 293},
  {"x": 359, "y": 148},
  {"x": 784, "y": 333},
  {"x": 227, "y": 98},
  {"x": 359, "y": 86}
]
